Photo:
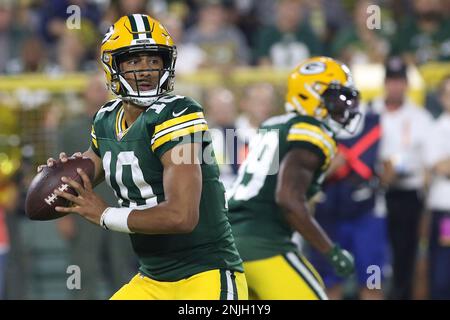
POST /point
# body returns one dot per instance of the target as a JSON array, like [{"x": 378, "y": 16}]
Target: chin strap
[{"x": 141, "y": 102}]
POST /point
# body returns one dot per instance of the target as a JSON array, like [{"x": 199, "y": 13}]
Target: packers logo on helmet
[
  {"x": 322, "y": 87},
  {"x": 131, "y": 34}
]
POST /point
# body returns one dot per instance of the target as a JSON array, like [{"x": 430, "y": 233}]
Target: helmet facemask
[
  {"x": 165, "y": 79},
  {"x": 342, "y": 105}
]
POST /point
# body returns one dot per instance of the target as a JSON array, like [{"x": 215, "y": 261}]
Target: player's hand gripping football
[
  {"x": 87, "y": 204},
  {"x": 62, "y": 156},
  {"x": 342, "y": 261}
]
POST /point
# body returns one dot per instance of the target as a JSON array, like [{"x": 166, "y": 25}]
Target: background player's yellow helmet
[
  {"x": 131, "y": 34},
  {"x": 322, "y": 87}
]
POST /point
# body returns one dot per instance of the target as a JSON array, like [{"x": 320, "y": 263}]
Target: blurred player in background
[
  {"x": 148, "y": 146},
  {"x": 267, "y": 205}
]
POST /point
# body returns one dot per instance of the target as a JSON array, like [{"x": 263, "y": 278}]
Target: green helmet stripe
[
  {"x": 134, "y": 29},
  {"x": 148, "y": 33}
]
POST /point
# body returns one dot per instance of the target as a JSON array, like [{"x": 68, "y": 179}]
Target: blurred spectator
[
  {"x": 5, "y": 34},
  {"x": 337, "y": 13},
  {"x": 289, "y": 41},
  {"x": 327, "y": 18},
  {"x": 315, "y": 14},
  {"x": 121, "y": 8},
  {"x": 438, "y": 161},
  {"x": 190, "y": 57},
  {"x": 126, "y": 7},
  {"x": 404, "y": 138},
  {"x": 73, "y": 51},
  {"x": 250, "y": 15},
  {"x": 357, "y": 44},
  {"x": 399, "y": 8},
  {"x": 70, "y": 52},
  {"x": 347, "y": 207},
  {"x": 223, "y": 43},
  {"x": 33, "y": 58},
  {"x": 426, "y": 36},
  {"x": 220, "y": 108},
  {"x": 89, "y": 244},
  {"x": 262, "y": 10},
  {"x": 27, "y": 16},
  {"x": 54, "y": 14},
  {"x": 257, "y": 105}
]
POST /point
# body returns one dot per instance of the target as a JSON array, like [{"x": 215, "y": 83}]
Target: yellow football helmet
[
  {"x": 322, "y": 87},
  {"x": 131, "y": 34}
]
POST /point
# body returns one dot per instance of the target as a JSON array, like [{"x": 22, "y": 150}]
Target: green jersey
[
  {"x": 258, "y": 223},
  {"x": 131, "y": 161}
]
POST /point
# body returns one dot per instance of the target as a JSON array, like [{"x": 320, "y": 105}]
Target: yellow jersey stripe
[
  {"x": 175, "y": 121},
  {"x": 177, "y": 127},
  {"x": 93, "y": 135},
  {"x": 331, "y": 144},
  {"x": 305, "y": 125},
  {"x": 317, "y": 142},
  {"x": 313, "y": 128},
  {"x": 118, "y": 120},
  {"x": 178, "y": 133},
  {"x": 308, "y": 136},
  {"x": 123, "y": 123}
]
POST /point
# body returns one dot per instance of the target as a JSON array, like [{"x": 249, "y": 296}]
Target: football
[{"x": 41, "y": 201}]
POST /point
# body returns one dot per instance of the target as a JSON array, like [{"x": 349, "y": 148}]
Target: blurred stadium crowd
[{"x": 233, "y": 56}]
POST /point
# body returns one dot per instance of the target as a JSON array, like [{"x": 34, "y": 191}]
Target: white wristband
[{"x": 116, "y": 219}]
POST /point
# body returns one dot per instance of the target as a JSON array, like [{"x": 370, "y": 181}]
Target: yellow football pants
[
  {"x": 284, "y": 277},
  {"x": 208, "y": 285}
]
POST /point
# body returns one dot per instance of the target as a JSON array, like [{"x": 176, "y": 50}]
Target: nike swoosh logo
[{"x": 179, "y": 113}]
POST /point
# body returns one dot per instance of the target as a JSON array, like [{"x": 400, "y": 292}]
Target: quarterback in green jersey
[
  {"x": 148, "y": 145},
  {"x": 286, "y": 164}
]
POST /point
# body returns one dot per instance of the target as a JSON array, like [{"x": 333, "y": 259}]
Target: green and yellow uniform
[
  {"x": 131, "y": 161},
  {"x": 262, "y": 235}
]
